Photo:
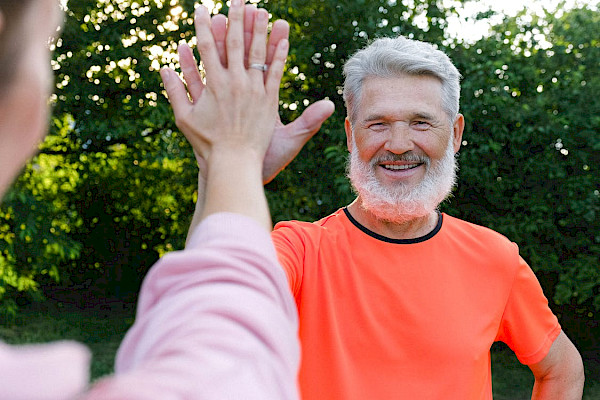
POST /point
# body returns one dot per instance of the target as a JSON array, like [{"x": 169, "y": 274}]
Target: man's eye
[{"x": 421, "y": 124}]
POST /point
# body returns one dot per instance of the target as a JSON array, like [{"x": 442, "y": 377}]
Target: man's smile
[{"x": 399, "y": 167}]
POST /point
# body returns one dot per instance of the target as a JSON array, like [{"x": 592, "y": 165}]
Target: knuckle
[
  {"x": 203, "y": 43},
  {"x": 234, "y": 42}
]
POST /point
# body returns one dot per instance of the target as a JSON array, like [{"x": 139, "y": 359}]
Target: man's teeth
[{"x": 400, "y": 167}]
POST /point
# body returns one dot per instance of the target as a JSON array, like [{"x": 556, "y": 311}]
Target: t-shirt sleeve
[
  {"x": 528, "y": 326},
  {"x": 289, "y": 244},
  {"x": 214, "y": 321}
]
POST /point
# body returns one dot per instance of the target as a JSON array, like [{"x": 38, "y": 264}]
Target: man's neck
[{"x": 412, "y": 229}]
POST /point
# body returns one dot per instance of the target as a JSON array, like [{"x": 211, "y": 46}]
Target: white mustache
[{"x": 406, "y": 157}]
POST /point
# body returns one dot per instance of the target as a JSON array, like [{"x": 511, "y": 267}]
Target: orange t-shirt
[{"x": 409, "y": 319}]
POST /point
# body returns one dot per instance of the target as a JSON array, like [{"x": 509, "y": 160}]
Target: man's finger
[
  {"x": 292, "y": 137},
  {"x": 311, "y": 119},
  {"x": 218, "y": 26},
  {"x": 280, "y": 30},
  {"x": 249, "y": 17}
]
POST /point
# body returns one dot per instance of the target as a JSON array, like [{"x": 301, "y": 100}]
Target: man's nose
[{"x": 399, "y": 140}]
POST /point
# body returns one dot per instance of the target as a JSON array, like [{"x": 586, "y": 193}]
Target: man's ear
[
  {"x": 458, "y": 128},
  {"x": 348, "y": 129}
]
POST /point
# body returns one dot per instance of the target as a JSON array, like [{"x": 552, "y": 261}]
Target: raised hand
[
  {"x": 288, "y": 139},
  {"x": 230, "y": 119},
  {"x": 238, "y": 106}
]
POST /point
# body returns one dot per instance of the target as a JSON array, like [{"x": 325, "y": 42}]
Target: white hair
[{"x": 390, "y": 57}]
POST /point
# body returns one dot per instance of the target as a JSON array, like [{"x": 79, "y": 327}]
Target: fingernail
[
  {"x": 237, "y": 3},
  {"x": 200, "y": 10},
  {"x": 262, "y": 15}
]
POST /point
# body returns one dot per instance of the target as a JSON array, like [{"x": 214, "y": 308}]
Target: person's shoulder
[
  {"x": 470, "y": 228},
  {"x": 302, "y": 234},
  {"x": 481, "y": 242},
  {"x": 469, "y": 232}
]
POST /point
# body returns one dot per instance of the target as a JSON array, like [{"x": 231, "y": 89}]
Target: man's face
[{"x": 402, "y": 147}]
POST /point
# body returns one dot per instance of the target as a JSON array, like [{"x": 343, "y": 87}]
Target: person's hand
[
  {"x": 288, "y": 139},
  {"x": 237, "y": 107},
  {"x": 229, "y": 120}
]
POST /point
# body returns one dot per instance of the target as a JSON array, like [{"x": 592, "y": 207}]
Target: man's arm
[{"x": 560, "y": 374}]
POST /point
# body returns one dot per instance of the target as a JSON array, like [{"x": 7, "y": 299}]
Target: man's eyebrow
[
  {"x": 416, "y": 115},
  {"x": 424, "y": 115},
  {"x": 373, "y": 117}
]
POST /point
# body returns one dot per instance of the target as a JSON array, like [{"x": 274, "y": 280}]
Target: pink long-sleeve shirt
[{"x": 214, "y": 321}]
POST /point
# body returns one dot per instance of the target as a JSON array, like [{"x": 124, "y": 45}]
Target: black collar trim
[{"x": 396, "y": 241}]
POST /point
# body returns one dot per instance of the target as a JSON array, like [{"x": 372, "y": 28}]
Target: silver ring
[{"x": 260, "y": 67}]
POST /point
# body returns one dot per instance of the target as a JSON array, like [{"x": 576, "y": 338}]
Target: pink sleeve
[
  {"x": 214, "y": 321},
  {"x": 54, "y": 371}
]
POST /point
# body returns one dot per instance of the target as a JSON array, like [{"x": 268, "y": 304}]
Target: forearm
[
  {"x": 560, "y": 375},
  {"x": 267, "y": 170},
  {"x": 234, "y": 184},
  {"x": 558, "y": 389}
]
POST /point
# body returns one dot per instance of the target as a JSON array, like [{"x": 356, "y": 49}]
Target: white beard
[{"x": 402, "y": 203}]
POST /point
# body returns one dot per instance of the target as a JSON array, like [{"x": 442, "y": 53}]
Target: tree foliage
[
  {"x": 531, "y": 154},
  {"x": 113, "y": 186}
]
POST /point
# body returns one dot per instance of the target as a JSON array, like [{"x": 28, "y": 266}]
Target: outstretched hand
[
  {"x": 287, "y": 140},
  {"x": 229, "y": 120},
  {"x": 237, "y": 107}
]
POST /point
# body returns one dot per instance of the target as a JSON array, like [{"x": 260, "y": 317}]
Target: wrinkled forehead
[{"x": 376, "y": 85}]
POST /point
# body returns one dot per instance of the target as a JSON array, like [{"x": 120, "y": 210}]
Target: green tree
[
  {"x": 115, "y": 181},
  {"x": 112, "y": 188},
  {"x": 531, "y": 152}
]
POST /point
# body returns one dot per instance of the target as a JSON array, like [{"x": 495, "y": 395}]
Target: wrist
[
  {"x": 234, "y": 184},
  {"x": 246, "y": 154}
]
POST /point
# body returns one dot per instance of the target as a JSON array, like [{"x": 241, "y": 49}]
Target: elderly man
[{"x": 397, "y": 300}]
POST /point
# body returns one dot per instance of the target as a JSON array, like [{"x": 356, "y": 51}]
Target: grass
[{"x": 102, "y": 328}]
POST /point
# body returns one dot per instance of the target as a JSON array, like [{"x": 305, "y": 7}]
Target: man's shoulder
[{"x": 469, "y": 232}]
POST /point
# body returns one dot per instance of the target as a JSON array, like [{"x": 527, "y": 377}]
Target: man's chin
[{"x": 398, "y": 213}]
